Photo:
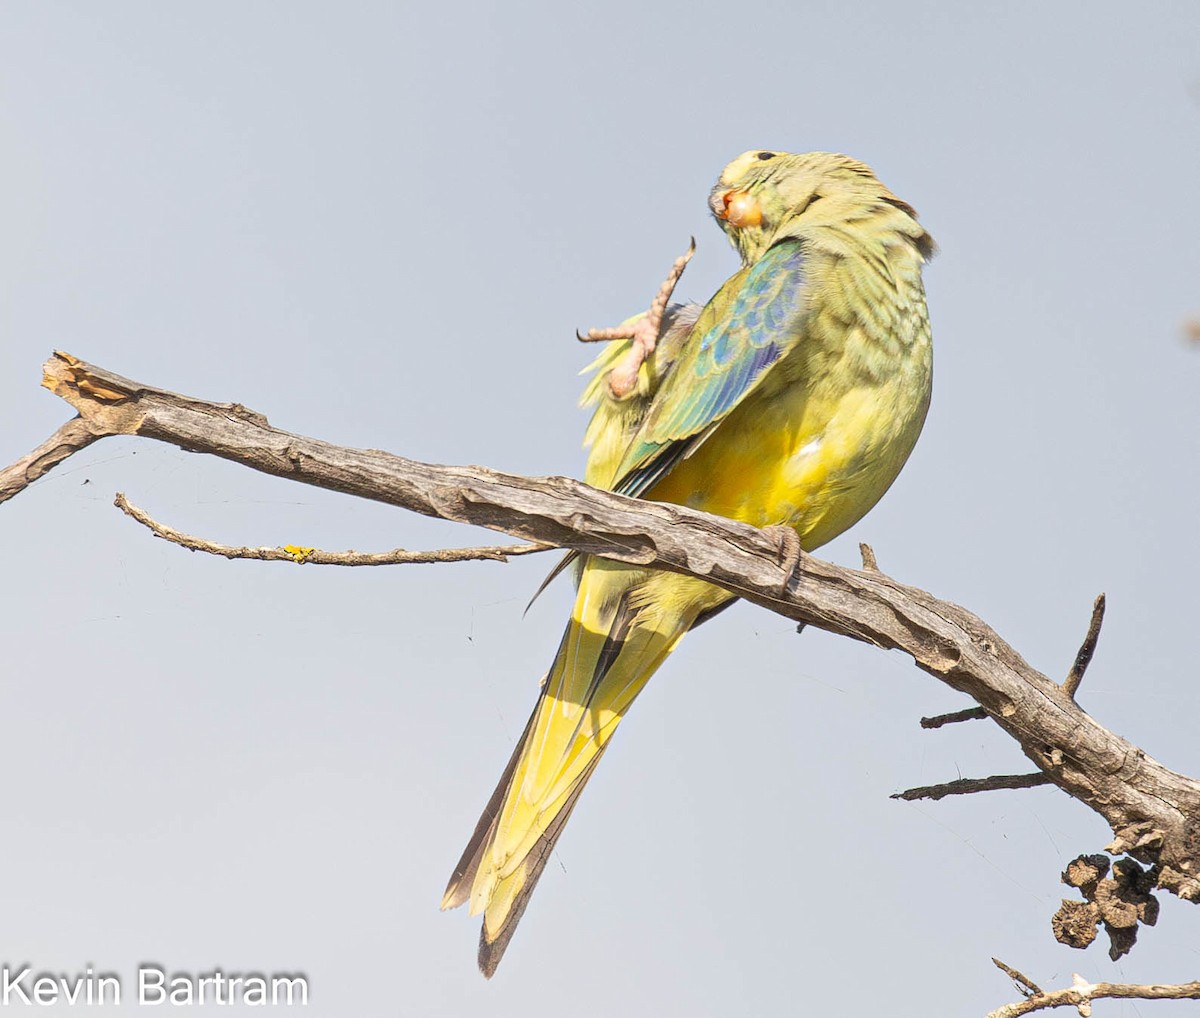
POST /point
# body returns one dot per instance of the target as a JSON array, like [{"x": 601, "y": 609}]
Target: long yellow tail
[{"x": 624, "y": 624}]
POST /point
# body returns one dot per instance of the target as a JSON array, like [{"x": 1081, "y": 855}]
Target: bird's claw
[
  {"x": 642, "y": 332},
  {"x": 663, "y": 297}
]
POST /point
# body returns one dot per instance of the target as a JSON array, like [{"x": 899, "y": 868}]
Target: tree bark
[{"x": 1154, "y": 812}]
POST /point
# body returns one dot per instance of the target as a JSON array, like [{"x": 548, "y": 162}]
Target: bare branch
[
  {"x": 1030, "y": 987},
  {"x": 70, "y": 438},
  {"x": 1153, "y": 811},
  {"x": 868, "y": 556},
  {"x": 317, "y": 557},
  {"x": 967, "y": 786},
  {"x": 1081, "y": 994},
  {"x": 1086, "y": 649},
  {"x": 969, "y": 714}
]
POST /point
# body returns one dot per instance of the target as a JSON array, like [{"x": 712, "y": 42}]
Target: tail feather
[
  {"x": 618, "y": 636},
  {"x": 458, "y": 890},
  {"x": 514, "y": 894}
]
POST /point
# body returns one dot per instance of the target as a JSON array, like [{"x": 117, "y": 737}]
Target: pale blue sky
[{"x": 380, "y": 224}]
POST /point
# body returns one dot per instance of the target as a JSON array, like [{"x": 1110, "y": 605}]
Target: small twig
[
  {"x": 969, "y": 714},
  {"x": 317, "y": 557},
  {"x": 868, "y": 557},
  {"x": 1081, "y": 994},
  {"x": 70, "y": 438},
  {"x": 1018, "y": 977},
  {"x": 1086, "y": 650},
  {"x": 965, "y": 786}
]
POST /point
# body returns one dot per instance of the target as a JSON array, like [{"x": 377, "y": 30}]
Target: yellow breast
[{"x": 816, "y": 446}]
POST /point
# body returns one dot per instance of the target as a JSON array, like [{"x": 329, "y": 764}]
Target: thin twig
[
  {"x": 1086, "y": 650},
  {"x": 70, "y": 438},
  {"x": 965, "y": 786},
  {"x": 868, "y": 556},
  {"x": 1018, "y": 977},
  {"x": 969, "y": 714},
  {"x": 1081, "y": 994},
  {"x": 317, "y": 557}
]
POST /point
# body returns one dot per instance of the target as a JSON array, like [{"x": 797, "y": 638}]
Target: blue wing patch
[{"x": 721, "y": 364}]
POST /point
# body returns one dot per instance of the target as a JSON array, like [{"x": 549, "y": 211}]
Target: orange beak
[{"x": 739, "y": 208}]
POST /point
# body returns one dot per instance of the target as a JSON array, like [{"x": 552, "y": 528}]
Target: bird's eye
[{"x": 764, "y": 156}]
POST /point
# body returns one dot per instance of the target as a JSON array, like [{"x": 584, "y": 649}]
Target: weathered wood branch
[
  {"x": 969, "y": 786},
  {"x": 70, "y": 438},
  {"x": 1081, "y": 993},
  {"x": 1154, "y": 811},
  {"x": 1086, "y": 649},
  {"x": 318, "y": 557},
  {"x": 955, "y": 717},
  {"x": 1026, "y": 985}
]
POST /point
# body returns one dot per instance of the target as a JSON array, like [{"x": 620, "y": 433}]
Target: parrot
[{"x": 790, "y": 402}]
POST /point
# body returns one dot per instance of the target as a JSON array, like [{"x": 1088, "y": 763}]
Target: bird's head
[{"x": 763, "y": 197}]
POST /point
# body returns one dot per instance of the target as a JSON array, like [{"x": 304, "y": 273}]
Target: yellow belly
[{"x": 815, "y": 460}]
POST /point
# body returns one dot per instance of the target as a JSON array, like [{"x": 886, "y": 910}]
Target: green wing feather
[
  {"x": 697, "y": 374},
  {"x": 753, "y": 320},
  {"x": 615, "y": 421}
]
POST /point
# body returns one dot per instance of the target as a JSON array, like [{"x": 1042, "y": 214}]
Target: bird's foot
[
  {"x": 623, "y": 378},
  {"x": 790, "y": 552},
  {"x": 642, "y": 331}
]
